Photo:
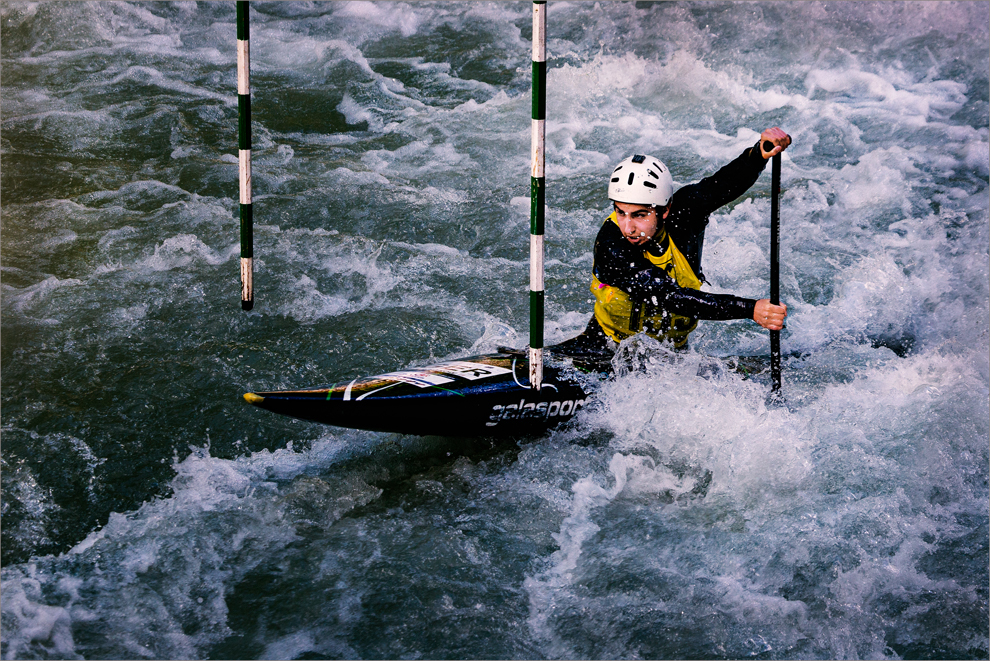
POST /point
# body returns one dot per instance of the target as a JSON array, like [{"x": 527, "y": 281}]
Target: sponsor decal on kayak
[
  {"x": 434, "y": 375},
  {"x": 471, "y": 371},
  {"x": 528, "y": 410},
  {"x": 419, "y": 379}
]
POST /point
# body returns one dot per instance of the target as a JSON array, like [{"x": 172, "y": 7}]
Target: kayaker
[{"x": 647, "y": 275}]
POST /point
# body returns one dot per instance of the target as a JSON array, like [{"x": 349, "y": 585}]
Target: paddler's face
[{"x": 638, "y": 222}]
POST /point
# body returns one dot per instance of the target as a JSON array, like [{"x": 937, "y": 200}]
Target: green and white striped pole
[
  {"x": 244, "y": 155},
  {"x": 537, "y": 189}
]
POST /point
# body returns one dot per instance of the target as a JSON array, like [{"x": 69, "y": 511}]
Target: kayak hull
[{"x": 481, "y": 395}]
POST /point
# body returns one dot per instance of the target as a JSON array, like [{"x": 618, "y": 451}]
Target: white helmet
[{"x": 641, "y": 180}]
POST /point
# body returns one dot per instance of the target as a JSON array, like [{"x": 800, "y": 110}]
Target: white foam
[
  {"x": 181, "y": 251},
  {"x": 139, "y": 195},
  {"x": 765, "y": 467},
  {"x": 37, "y": 295},
  {"x": 403, "y": 18},
  {"x": 38, "y": 626}
]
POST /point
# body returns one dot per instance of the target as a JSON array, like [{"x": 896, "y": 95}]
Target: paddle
[{"x": 774, "y": 268}]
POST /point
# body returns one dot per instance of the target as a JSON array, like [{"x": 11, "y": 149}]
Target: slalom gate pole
[
  {"x": 775, "y": 269},
  {"x": 537, "y": 189},
  {"x": 244, "y": 155}
]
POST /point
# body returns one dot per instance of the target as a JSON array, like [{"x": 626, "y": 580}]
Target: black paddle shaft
[{"x": 774, "y": 263}]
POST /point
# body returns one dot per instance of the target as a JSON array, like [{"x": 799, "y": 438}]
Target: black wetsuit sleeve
[
  {"x": 657, "y": 287},
  {"x": 620, "y": 264},
  {"x": 692, "y": 204}
]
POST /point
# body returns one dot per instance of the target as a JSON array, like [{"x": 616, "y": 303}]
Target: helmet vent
[
  {"x": 649, "y": 184},
  {"x": 632, "y": 175},
  {"x": 653, "y": 174}
]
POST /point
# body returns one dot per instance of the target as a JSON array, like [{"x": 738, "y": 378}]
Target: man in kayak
[{"x": 647, "y": 274}]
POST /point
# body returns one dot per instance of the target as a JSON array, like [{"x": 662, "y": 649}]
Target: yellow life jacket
[{"x": 620, "y": 317}]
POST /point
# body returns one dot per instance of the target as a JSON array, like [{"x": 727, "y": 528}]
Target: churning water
[{"x": 149, "y": 512}]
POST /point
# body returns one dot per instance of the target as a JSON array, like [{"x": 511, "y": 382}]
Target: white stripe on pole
[
  {"x": 244, "y": 170},
  {"x": 247, "y": 268},
  {"x": 243, "y": 68},
  {"x": 539, "y": 32},
  {"x": 536, "y": 262},
  {"x": 538, "y": 148}
]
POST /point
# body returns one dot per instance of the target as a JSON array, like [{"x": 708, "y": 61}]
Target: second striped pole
[
  {"x": 244, "y": 155},
  {"x": 537, "y": 195}
]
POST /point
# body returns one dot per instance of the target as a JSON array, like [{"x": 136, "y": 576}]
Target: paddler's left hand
[
  {"x": 777, "y": 138},
  {"x": 768, "y": 315}
]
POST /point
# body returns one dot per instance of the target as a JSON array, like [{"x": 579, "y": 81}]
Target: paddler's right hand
[{"x": 768, "y": 315}]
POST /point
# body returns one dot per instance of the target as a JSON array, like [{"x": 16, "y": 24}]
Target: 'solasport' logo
[{"x": 528, "y": 410}]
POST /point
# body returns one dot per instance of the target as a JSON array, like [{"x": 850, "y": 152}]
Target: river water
[{"x": 149, "y": 512}]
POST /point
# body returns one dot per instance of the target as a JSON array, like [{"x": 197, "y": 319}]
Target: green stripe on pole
[
  {"x": 247, "y": 231},
  {"x": 540, "y": 90},
  {"x": 244, "y": 121},
  {"x": 242, "y": 19},
  {"x": 537, "y": 205},
  {"x": 536, "y": 319}
]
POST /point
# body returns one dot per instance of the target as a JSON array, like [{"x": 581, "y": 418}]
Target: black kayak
[{"x": 487, "y": 395}]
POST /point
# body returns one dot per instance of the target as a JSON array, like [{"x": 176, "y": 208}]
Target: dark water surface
[{"x": 149, "y": 512}]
